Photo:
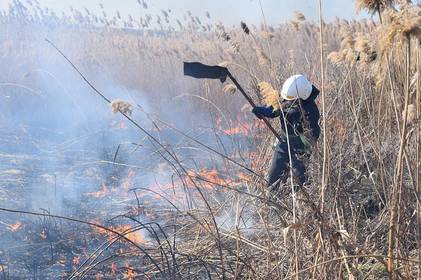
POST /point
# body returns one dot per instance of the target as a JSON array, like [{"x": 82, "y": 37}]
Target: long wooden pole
[{"x": 254, "y": 105}]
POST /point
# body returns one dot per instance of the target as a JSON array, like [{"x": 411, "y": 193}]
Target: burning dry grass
[
  {"x": 127, "y": 230},
  {"x": 101, "y": 193},
  {"x": 15, "y": 226},
  {"x": 213, "y": 218}
]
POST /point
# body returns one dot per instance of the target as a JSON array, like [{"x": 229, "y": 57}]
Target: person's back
[{"x": 311, "y": 113}]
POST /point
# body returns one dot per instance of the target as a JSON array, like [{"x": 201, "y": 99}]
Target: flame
[
  {"x": 135, "y": 237},
  {"x": 14, "y": 227},
  {"x": 240, "y": 126},
  {"x": 105, "y": 190},
  {"x": 126, "y": 184},
  {"x": 130, "y": 274},
  {"x": 237, "y": 127},
  {"x": 76, "y": 260},
  {"x": 113, "y": 269},
  {"x": 130, "y": 173},
  {"x": 101, "y": 193},
  {"x": 244, "y": 177},
  {"x": 212, "y": 176},
  {"x": 240, "y": 129},
  {"x": 208, "y": 179}
]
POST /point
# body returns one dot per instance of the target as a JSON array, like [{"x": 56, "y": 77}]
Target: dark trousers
[{"x": 280, "y": 162}]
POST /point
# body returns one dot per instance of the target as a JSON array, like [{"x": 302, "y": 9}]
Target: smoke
[
  {"x": 64, "y": 151},
  {"x": 63, "y": 129},
  {"x": 71, "y": 141}
]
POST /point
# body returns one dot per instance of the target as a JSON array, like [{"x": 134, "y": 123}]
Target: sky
[{"x": 229, "y": 12}]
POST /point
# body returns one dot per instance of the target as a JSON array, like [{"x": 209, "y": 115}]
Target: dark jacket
[{"x": 300, "y": 115}]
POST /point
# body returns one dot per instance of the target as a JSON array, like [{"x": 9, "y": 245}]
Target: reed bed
[{"x": 358, "y": 217}]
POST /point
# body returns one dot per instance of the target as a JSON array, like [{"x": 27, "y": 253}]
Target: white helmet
[{"x": 295, "y": 87}]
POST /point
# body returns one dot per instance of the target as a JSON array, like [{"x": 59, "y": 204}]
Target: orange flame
[
  {"x": 237, "y": 127},
  {"x": 101, "y": 193},
  {"x": 243, "y": 177},
  {"x": 240, "y": 129},
  {"x": 135, "y": 237},
  {"x": 130, "y": 274},
  {"x": 76, "y": 260},
  {"x": 14, "y": 227},
  {"x": 212, "y": 178},
  {"x": 240, "y": 126},
  {"x": 210, "y": 175},
  {"x": 130, "y": 173},
  {"x": 126, "y": 184},
  {"x": 113, "y": 269}
]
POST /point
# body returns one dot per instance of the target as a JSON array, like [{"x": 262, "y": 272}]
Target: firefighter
[{"x": 298, "y": 110}]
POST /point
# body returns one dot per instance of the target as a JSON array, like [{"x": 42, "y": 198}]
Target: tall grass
[{"x": 358, "y": 217}]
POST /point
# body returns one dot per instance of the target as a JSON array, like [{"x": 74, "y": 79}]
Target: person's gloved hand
[
  {"x": 261, "y": 112},
  {"x": 258, "y": 112}
]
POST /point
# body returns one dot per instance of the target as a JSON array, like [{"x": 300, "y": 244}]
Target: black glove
[
  {"x": 257, "y": 111},
  {"x": 261, "y": 112}
]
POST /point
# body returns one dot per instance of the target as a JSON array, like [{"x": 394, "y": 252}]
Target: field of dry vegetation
[{"x": 167, "y": 182}]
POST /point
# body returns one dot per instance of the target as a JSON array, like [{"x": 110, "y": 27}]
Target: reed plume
[
  {"x": 121, "y": 106},
  {"x": 269, "y": 94},
  {"x": 373, "y": 6},
  {"x": 229, "y": 88},
  {"x": 245, "y": 28},
  {"x": 299, "y": 16},
  {"x": 262, "y": 57},
  {"x": 224, "y": 35},
  {"x": 235, "y": 47},
  {"x": 364, "y": 48},
  {"x": 266, "y": 35},
  {"x": 336, "y": 57},
  {"x": 399, "y": 26},
  {"x": 295, "y": 25}
]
